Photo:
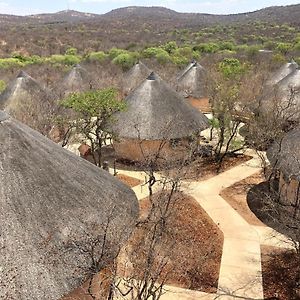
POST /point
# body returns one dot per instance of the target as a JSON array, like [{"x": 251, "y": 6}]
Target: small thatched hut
[
  {"x": 191, "y": 84},
  {"x": 156, "y": 115},
  {"x": 29, "y": 102},
  {"x": 284, "y": 156},
  {"x": 53, "y": 205},
  {"x": 77, "y": 80},
  {"x": 284, "y": 97},
  {"x": 135, "y": 76},
  {"x": 282, "y": 72}
]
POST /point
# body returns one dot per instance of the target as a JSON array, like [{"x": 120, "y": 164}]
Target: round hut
[
  {"x": 53, "y": 205},
  {"x": 191, "y": 84},
  {"x": 284, "y": 156},
  {"x": 284, "y": 97},
  {"x": 156, "y": 119},
  {"x": 77, "y": 80},
  {"x": 282, "y": 72},
  {"x": 135, "y": 76},
  {"x": 29, "y": 102}
]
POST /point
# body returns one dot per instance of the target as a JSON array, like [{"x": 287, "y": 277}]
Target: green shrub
[
  {"x": 231, "y": 67},
  {"x": 97, "y": 56},
  {"x": 124, "y": 60},
  {"x": 71, "y": 51},
  {"x": 170, "y": 47},
  {"x": 6, "y": 63},
  {"x": 2, "y": 86},
  {"x": 163, "y": 57},
  {"x": 207, "y": 48},
  {"x": 114, "y": 52},
  {"x": 179, "y": 60}
]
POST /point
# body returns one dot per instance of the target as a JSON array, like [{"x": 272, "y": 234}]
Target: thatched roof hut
[
  {"x": 284, "y": 97},
  {"x": 192, "y": 81},
  {"x": 77, "y": 80},
  {"x": 22, "y": 89},
  {"x": 155, "y": 112},
  {"x": 282, "y": 72},
  {"x": 284, "y": 154},
  {"x": 52, "y": 203},
  {"x": 135, "y": 76},
  {"x": 28, "y": 101}
]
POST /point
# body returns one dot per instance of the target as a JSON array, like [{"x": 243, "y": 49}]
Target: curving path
[{"x": 240, "y": 273}]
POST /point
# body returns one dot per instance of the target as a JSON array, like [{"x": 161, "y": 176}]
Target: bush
[
  {"x": 163, "y": 57},
  {"x": 2, "y": 86},
  {"x": 207, "y": 48},
  {"x": 114, "y": 52},
  {"x": 124, "y": 60},
  {"x": 170, "y": 47},
  {"x": 68, "y": 60},
  {"x": 97, "y": 56},
  {"x": 231, "y": 67},
  {"x": 6, "y": 63},
  {"x": 71, "y": 51}
]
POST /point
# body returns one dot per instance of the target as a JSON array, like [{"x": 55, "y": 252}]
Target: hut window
[{"x": 174, "y": 143}]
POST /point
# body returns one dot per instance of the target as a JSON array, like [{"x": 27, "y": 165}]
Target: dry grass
[
  {"x": 191, "y": 242},
  {"x": 280, "y": 271},
  {"x": 130, "y": 181}
]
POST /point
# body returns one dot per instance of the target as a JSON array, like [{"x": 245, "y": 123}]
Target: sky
[{"x": 21, "y": 7}]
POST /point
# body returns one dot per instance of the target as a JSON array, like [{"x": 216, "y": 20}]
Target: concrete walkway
[{"x": 240, "y": 273}]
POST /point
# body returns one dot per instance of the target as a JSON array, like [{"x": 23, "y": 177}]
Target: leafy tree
[{"x": 93, "y": 112}]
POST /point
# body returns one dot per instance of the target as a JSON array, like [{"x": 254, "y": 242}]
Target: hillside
[{"x": 139, "y": 27}]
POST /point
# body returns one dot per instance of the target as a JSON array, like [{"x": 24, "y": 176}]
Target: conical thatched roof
[
  {"x": 52, "y": 203},
  {"x": 284, "y": 71},
  {"x": 22, "y": 89},
  {"x": 28, "y": 101},
  {"x": 284, "y": 155},
  {"x": 192, "y": 81},
  {"x": 155, "y": 111},
  {"x": 284, "y": 97},
  {"x": 77, "y": 80},
  {"x": 135, "y": 76}
]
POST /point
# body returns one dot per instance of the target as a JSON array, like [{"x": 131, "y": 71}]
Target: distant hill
[
  {"x": 137, "y": 27},
  {"x": 280, "y": 14},
  {"x": 63, "y": 16}
]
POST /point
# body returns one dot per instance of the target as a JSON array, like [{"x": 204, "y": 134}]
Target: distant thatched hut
[
  {"x": 191, "y": 84},
  {"x": 77, "y": 80},
  {"x": 284, "y": 156},
  {"x": 156, "y": 115},
  {"x": 282, "y": 72},
  {"x": 29, "y": 102},
  {"x": 135, "y": 76},
  {"x": 53, "y": 204},
  {"x": 283, "y": 98}
]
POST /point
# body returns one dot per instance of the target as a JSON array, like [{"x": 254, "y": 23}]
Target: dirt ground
[
  {"x": 236, "y": 196},
  {"x": 201, "y": 104},
  {"x": 204, "y": 168},
  {"x": 191, "y": 245},
  {"x": 130, "y": 181},
  {"x": 201, "y": 168},
  {"x": 280, "y": 268}
]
